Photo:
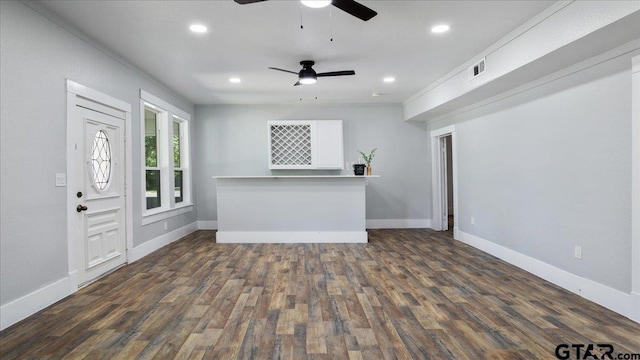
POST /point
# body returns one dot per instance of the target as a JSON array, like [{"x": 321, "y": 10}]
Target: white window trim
[
  {"x": 159, "y": 150},
  {"x": 167, "y": 114},
  {"x": 160, "y": 214},
  {"x": 185, "y": 160}
]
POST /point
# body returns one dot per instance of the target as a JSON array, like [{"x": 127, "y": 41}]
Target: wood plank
[{"x": 406, "y": 294}]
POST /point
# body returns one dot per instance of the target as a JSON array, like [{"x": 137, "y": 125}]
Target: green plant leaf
[{"x": 368, "y": 158}]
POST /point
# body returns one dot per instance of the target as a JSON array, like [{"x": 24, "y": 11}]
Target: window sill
[{"x": 156, "y": 215}]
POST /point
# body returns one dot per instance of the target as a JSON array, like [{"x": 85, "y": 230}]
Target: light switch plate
[
  {"x": 61, "y": 180},
  {"x": 577, "y": 252}
]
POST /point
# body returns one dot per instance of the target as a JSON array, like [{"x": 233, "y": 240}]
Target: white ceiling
[{"x": 243, "y": 40}]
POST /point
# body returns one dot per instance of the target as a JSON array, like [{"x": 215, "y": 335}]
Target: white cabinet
[
  {"x": 330, "y": 153},
  {"x": 305, "y": 144}
]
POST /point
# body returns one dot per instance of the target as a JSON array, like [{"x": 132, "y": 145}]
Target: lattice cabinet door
[
  {"x": 305, "y": 144},
  {"x": 291, "y": 144}
]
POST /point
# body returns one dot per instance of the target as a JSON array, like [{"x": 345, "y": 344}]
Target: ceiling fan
[
  {"x": 349, "y": 6},
  {"x": 308, "y": 76}
]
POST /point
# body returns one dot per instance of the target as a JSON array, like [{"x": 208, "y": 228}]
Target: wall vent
[{"x": 476, "y": 69}]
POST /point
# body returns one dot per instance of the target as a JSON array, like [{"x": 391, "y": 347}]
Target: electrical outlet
[
  {"x": 473, "y": 220},
  {"x": 577, "y": 252},
  {"x": 61, "y": 180},
  {"x": 166, "y": 226}
]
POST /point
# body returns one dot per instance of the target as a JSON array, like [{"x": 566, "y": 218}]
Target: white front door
[{"x": 100, "y": 197}]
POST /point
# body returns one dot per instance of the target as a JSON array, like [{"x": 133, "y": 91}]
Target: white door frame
[
  {"x": 437, "y": 169},
  {"x": 79, "y": 94},
  {"x": 635, "y": 188}
]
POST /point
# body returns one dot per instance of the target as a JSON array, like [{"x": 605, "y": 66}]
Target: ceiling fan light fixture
[
  {"x": 307, "y": 80},
  {"x": 316, "y": 3}
]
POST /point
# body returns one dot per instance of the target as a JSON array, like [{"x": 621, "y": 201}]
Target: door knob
[{"x": 81, "y": 208}]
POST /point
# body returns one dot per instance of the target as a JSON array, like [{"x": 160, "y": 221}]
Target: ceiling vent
[{"x": 476, "y": 69}]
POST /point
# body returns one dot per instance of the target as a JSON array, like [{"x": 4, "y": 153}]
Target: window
[
  {"x": 166, "y": 157},
  {"x": 178, "y": 171},
  {"x": 101, "y": 160},
  {"x": 152, "y": 169}
]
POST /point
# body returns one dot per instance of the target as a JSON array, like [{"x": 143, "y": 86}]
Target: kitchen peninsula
[{"x": 291, "y": 209}]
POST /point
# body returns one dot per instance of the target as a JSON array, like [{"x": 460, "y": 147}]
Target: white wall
[
  {"x": 36, "y": 57},
  {"x": 550, "y": 168},
  {"x": 232, "y": 140}
]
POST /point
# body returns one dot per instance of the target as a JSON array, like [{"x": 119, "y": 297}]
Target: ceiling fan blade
[
  {"x": 289, "y": 71},
  {"x": 336, "y": 73},
  {"x": 245, "y": 2},
  {"x": 356, "y": 9}
]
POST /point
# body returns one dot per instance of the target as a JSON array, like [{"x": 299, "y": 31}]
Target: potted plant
[{"x": 368, "y": 158}]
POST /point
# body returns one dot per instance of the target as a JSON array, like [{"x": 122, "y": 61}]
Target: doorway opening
[
  {"x": 448, "y": 164},
  {"x": 444, "y": 179}
]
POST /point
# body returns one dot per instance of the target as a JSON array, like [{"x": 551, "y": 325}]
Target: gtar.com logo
[
  {"x": 582, "y": 351},
  {"x": 590, "y": 351}
]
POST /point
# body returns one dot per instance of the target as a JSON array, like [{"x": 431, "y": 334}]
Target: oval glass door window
[{"x": 101, "y": 160}]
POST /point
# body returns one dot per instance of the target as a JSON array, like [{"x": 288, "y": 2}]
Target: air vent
[{"x": 476, "y": 69}]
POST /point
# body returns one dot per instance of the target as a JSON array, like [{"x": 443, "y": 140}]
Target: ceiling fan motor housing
[{"x": 307, "y": 71}]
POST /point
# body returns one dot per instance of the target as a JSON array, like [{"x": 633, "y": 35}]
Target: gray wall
[
  {"x": 550, "y": 168},
  {"x": 36, "y": 57},
  {"x": 232, "y": 140}
]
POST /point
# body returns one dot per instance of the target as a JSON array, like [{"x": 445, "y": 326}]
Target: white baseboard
[
  {"x": 635, "y": 306},
  {"x": 207, "y": 225},
  {"x": 30, "y": 304},
  {"x": 150, "y": 246},
  {"x": 398, "y": 223},
  {"x": 289, "y": 237},
  {"x": 616, "y": 300}
]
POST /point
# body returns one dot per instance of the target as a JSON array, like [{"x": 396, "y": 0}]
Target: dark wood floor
[{"x": 408, "y": 294}]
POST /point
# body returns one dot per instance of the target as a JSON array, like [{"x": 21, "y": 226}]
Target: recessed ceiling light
[
  {"x": 235, "y": 80},
  {"x": 316, "y": 3},
  {"x": 389, "y": 79},
  {"x": 197, "y": 28},
  {"x": 439, "y": 29}
]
